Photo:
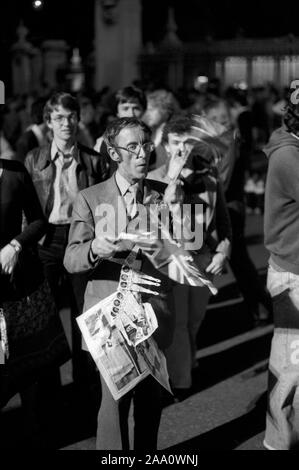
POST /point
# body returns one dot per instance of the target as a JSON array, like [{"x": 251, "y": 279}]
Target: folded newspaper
[{"x": 122, "y": 345}]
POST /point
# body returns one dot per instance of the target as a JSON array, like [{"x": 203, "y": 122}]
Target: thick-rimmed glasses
[{"x": 136, "y": 148}]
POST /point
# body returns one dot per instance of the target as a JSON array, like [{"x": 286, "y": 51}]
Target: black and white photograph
[{"x": 113, "y": 112}]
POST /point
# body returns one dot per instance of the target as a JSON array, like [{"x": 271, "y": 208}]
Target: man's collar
[
  {"x": 56, "y": 152},
  {"x": 124, "y": 184}
]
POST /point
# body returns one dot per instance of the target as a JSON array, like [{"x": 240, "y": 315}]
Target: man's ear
[
  {"x": 113, "y": 154},
  {"x": 166, "y": 146}
]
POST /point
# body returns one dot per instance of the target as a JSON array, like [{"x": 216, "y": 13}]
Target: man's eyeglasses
[
  {"x": 60, "y": 118},
  {"x": 136, "y": 148}
]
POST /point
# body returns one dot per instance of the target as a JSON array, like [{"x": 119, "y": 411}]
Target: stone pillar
[
  {"x": 36, "y": 70},
  {"x": 117, "y": 42},
  {"x": 76, "y": 74},
  {"x": 54, "y": 58},
  {"x": 223, "y": 76},
  {"x": 21, "y": 51},
  {"x": 172, "y": 49},
  {"x": 175, "y": 75},
  {"x": 277, "y": 75},
  {"x": 249, "y": 72}
]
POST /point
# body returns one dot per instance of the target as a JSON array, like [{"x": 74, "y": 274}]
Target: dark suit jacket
[
  {"x": 25, "y": 143},
  {"x": 103, "y": 278},
  {"x": 90, "y": 170},
  {"x": 17, "y": 195}
]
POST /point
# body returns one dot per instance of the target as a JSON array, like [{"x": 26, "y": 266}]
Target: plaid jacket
[{"x": 91, "y": 170}]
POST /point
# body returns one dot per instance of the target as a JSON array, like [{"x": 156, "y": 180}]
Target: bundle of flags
[
  {"x": 171, "y": 259},
  {"x": 210, "y": 133}
]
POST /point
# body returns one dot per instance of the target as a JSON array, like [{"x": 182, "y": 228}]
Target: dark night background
[{"x": 72, "y": 20}]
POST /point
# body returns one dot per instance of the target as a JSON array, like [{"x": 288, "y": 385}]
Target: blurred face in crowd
[
  {"x": 87, "y": 112},
  {"x": 64, "y": 124},
  {"x": 132, "y": 149},
  {"x": 154, "y": 115},
  {"x": 178, "y": 145},
  {"x": 130, "y": 109},
  {"x": 220, "y": 114}
]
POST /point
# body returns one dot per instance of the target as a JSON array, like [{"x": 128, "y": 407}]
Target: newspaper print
[
  {"x": 136, "y": 321},
  {"x": 121, "y": 364}
]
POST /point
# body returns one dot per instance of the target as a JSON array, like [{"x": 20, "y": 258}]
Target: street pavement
[{"x": 227, "y": 403}]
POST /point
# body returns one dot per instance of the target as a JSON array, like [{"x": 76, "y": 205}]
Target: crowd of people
[{"x": 68, "y": 156}]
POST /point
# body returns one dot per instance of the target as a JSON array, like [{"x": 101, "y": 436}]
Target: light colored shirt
[
  {"x": 129, "y": 192},
  {"x": 65, "y": 184},
  {"x": 129, "y": 195}
]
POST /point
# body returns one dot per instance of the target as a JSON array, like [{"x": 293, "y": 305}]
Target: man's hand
[
  {"x": 179, "y": 159},
  {"x": 104, "y": 247},
  {"x": 8, "y": 259},
  {"x": 217, "y": 264}
]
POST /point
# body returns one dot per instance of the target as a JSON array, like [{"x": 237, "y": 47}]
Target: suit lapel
[{"x": 112, "y": 198}]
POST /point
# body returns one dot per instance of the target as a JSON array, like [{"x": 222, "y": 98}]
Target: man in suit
[
  {"x": 59, "y": 170},
  {"x": 92, "y": 251}
]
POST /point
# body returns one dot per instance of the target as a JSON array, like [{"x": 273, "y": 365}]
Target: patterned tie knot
[
  {"x": 67, "y": 161},
  {"x": 136, "y": 192},
  {"x": 133, "y": 188},
  {"x": 135, "y": 196}
]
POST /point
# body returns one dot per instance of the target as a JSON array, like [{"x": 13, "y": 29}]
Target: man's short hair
[
  {"x": 65, "y": 100},
  {"x": 177, "y": 125},
  {"x": 164, "y": 100},
  {"x": 130, "y": 94},
  {"x": 117, "y": 125}
]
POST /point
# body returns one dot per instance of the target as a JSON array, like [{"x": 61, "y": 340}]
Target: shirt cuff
[{"x": 92, "y": 258}]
